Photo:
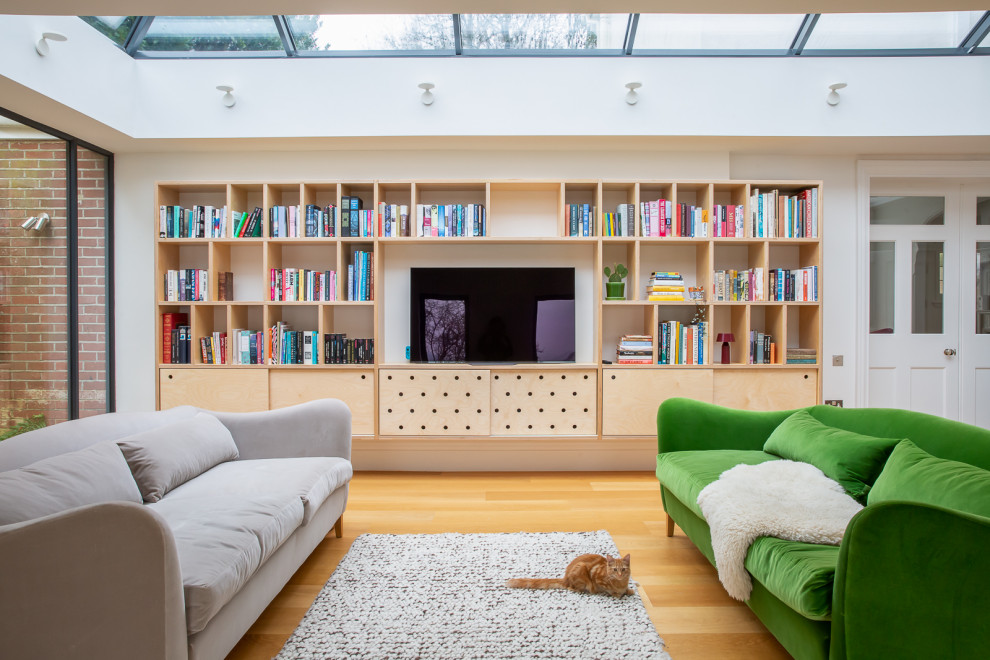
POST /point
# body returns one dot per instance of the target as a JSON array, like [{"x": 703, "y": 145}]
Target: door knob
[{"x": 950, "y": 351}]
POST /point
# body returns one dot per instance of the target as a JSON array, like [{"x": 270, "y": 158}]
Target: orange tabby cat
[{"x": 592, "y": 574}]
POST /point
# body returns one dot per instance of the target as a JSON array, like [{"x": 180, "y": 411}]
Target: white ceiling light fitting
[
  {"x": 427, "y": 96},
  {"x": 228, "y": 96},
  {"x": 833, "y": 97},
  {"x": 632, "y": 97},
  {"x": 36, "y": 223},
  {"x": 42, "y": 46}
]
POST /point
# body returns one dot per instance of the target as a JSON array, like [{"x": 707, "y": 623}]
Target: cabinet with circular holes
[
  {"x": 444, "y": 402},
  {"x": 551, "y": 402}
]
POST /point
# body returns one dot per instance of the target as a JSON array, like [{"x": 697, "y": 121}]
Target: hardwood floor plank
[{"x": 678, "y": 585}]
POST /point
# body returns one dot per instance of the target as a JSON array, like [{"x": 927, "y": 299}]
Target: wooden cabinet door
[
  {"x": 355, "y": 388},
  {"x": 221, "y": 389},
  {"x": 777, "y": 389},
  {"x": 630, "y": 397},
  {"x": 441, "y": 402}
]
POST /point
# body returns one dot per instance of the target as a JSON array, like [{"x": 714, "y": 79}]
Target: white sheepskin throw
[{"x": 786, "y": 499}]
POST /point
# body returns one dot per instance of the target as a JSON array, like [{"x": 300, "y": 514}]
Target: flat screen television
[{"x": 492, "y": 315}]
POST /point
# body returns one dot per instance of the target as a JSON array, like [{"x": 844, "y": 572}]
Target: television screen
[{"x": 483, "y": 315}]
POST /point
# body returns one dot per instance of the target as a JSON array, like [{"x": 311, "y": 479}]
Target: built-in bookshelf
[{"x": 276, "y": 293}]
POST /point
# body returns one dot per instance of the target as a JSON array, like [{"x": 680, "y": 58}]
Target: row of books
[
  {"x": 301, "y": 284},
  {"x": 394, "y": 219},
  {"x": 634, "y": 349},
  {"x": 737, "y": 285},
  {"x": 775, "y": 214},
  {"x": 802, "y": 356},
  {"x": 800, "y": 284},
  {"x": 620, "y": 223},
  {"x": 728, "y": 220},
  {"x": 248, "y": 347},
  {"x": 213, "y": 348},
  {"x": 665, "y": 286},
  {"x": 683, "y": 343},
  {"x": 661, "y": 217},
  {"x": 338, "y": 349},
  {"x": 310, "y": 221},
  {"x": 187, "y": 284},
  {"x": 581, "y": 220},
  {"x": 175, "y": 338},
  {"x": 762, "y": 348},
  {"x": 288, "y": 346},
  {"x": 443, "y": 220},
  {"x": 246, "y": 225},
  {"x": 196, "y": 222},
  {"x": 361, "y": 276}
]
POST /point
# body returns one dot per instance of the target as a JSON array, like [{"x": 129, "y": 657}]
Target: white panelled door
[
  {"x": 929, "y": 310},
  {"x": 974, "y": 289},
  {"x": 914, "y": 298}
]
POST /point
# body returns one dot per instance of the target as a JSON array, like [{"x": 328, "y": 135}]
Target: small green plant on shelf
[{"x": 615, "y": 288}]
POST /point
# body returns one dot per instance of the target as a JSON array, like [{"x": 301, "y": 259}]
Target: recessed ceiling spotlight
[
  {"x": 427, "y": 97},
  {"x": 228, "y": 96},
  {"x": 42, "y": 46},
  {"x": 833, "y": 97},
  {"x": 632, "y": 96}
]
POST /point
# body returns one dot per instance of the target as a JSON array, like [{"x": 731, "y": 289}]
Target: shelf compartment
[
  {"x": 730, "y": 318},
  {"x": 315, "y": 256},
  {"x": 613, "y": 194},
  {"x": 619, "y": 319},
  {"x": 664, "y": 255},
  {"x": 525, "y": 209}
]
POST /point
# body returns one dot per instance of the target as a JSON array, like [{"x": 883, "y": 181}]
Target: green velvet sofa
[{"x": 910, "y": 579}]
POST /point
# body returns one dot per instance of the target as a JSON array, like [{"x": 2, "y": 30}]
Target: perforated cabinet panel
[
  {"x": 544, "y": 403},
  {"x": 434, "y": 402}
]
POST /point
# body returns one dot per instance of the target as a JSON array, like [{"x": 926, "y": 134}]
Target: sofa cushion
[
  {"x": 852, "y": 459},
  {"x": 799, "y": 574},
  {"x": 92, "y": 475},
  {"x": 77, "y": 434},
  {"x": 168, "y": 456},
  {"x": 912, "y": 474},
  {"x": 221, "y": 541},
  {"x": 310, "y": 479},
  {"x": 686, "y": 473}
]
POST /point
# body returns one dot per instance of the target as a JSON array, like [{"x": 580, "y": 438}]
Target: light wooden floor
[{"x": 679, "y": 587}]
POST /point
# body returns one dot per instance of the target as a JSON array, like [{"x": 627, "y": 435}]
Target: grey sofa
[{"x": 182, "y": 577}]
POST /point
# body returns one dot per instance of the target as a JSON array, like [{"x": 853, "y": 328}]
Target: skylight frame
[{"x": 976, "y": 43}]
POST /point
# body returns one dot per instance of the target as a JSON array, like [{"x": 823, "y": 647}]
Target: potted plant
[{"x": 615, "y": 288}]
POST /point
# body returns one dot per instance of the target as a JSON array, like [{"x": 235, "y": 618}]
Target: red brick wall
[
  {"x": 33, "y": 294},
  {"x": 91, "y": 177}
]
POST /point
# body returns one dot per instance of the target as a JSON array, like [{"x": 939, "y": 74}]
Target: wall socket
[
  {"x": 836, "y": 360},
  {"x": 834, "y": 402}
]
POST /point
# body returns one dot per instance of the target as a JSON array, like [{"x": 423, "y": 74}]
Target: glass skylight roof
[
  {"x": 212, "y": 33},
  {"x": 930, "y": 33},
  {"x": 584, "y": 32},
  {"x": 716, "y": 31},
  {"x": 945, "y": 29},
  {"x": 373, "y": 32}
]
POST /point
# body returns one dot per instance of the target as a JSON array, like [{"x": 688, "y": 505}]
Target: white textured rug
[
  {"x": 786, "y": 499},
  {"x": 444, "y": 596}
]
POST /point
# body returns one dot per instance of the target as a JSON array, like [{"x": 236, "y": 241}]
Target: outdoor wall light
[
  {"x": 833, "y": 97},
  {"x": 427, "y": 97},
  {"x": 36, "y": 223},
  {"x": 228, "y": 96},
  {"x": 632, "y": 97},
  {"x": 42, "y": 46}
]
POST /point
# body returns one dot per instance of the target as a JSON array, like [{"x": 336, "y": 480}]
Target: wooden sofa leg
[
  {"x": 670, "y": 525},
  {"x": 338, "y": 527}
]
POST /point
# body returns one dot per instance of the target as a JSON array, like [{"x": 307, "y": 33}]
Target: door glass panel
[
  {"x": 903, "y": 210},
  {"x": 983, "y": 210},
  {"x": 927, "y": 280},
  {"x": 983, "y": 288},
  {"x": 881, "y": 287}
]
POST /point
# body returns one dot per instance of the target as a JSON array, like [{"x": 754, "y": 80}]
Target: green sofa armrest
[
  {"x": 688, "y": 424},
  {"x": 913, "y": 580}
]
